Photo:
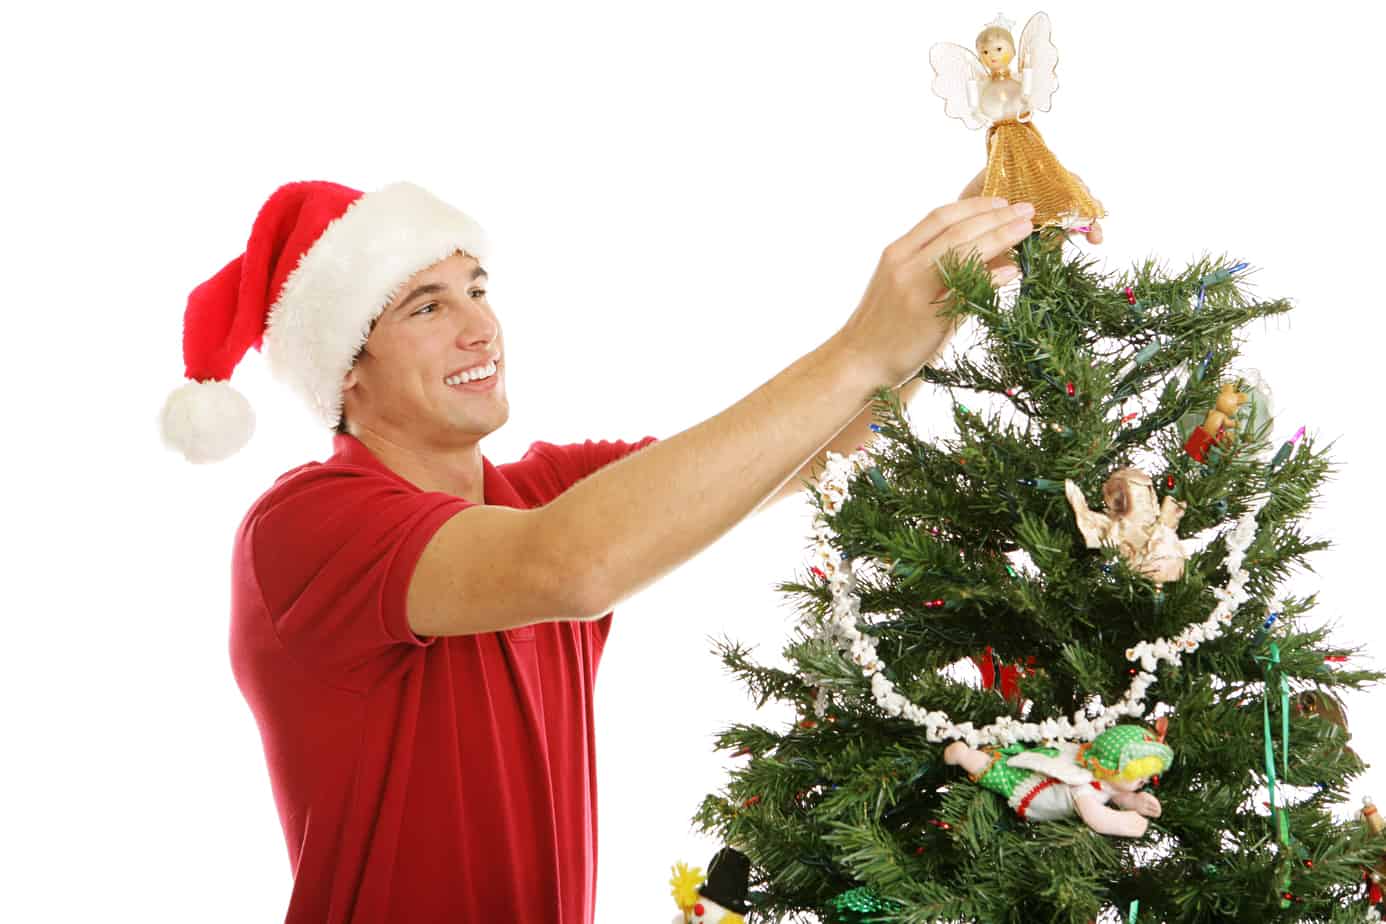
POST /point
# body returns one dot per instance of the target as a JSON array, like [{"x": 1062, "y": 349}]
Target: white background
[{"x": 684, "y": 198}]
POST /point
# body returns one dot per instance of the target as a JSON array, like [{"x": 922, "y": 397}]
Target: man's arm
[
  {"x": 633, "y": 521},
  {"x": 856, "y": 433}
]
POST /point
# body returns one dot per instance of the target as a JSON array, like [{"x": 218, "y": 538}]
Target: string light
[
  {"x": 1203, "y": 366},
  {"x": 1042, "y": 484},
  {"x": 1264, "y": 631},
  {"x": 1214, "y": 278},
  {"x": 877, "y": 478},
  {"x": 1283, "y": 453}
]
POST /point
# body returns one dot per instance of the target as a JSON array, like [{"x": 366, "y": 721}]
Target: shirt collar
[{"x": 349, "y": 450}]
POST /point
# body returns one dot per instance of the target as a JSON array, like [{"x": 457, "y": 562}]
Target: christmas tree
[{"x": 1006, "y": 616}]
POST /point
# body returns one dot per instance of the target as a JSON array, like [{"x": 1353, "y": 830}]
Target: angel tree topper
[{"x": 980, "y": 90}]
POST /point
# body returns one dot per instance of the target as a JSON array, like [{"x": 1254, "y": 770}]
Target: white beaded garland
[{"x": 860, "y": 648}]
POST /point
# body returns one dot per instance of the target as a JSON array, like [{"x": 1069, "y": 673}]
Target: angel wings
[{"x": 979, "y": 96}]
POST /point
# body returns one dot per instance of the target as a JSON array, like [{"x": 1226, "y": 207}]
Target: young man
[{"x": 417, "y": 630}]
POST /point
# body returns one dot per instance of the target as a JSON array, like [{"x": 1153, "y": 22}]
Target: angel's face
[{"x": 996, "y": 53}]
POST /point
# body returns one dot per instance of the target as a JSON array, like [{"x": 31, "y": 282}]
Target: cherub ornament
[
  {"x": 1133, "y": 524},
  {"x": 721, "y": 898},
  {"x": 980, "y": 90},
  {"x": 1048, "y": 783}
]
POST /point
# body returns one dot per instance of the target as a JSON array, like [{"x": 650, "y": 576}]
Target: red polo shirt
[{"x": 417, "y": 778}]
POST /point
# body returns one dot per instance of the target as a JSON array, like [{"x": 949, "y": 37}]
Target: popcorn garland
[{"x": 841, "y": 629}]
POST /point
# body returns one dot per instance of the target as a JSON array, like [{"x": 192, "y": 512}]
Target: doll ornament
[
  {"x": 981, "y": 90},
  {"x": 1049, "y": 783},
  {"x": 1133, "y": 524}
]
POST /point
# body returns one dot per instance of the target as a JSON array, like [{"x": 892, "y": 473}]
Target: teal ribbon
[
  {"x": 1271, "y": 664},
  {"x": 1135, "y": 910}
]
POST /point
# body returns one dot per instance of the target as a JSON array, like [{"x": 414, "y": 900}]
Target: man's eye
[
  {"x": 425, "y": 307},
  {"x": 478, "y": 293}
]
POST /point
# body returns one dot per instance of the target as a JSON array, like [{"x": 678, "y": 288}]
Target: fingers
[
  {"x": 940, "y": 219},
  {"x": 1003, "y": 275},
  {"x": 990, "y": 234},
  {"x": 1093, "y": 233},
  {"x": 1003, "y": 270}
]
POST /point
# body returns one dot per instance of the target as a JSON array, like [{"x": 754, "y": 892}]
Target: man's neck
[{"x": 457, "y": 471}]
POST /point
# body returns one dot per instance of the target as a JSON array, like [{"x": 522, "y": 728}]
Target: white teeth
[{"x": 472, "y": 375}]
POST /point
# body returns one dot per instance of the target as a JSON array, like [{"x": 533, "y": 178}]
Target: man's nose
[{"x": 479, "y": 326}]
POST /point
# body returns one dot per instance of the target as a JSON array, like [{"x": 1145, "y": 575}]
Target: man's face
[{"x": 404, "y": 384}]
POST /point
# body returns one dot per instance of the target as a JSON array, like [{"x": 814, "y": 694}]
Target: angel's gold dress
[{"x": 1021, "y": 167}]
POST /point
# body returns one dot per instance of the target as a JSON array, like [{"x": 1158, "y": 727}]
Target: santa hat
[{"x": 323, "y": 261}]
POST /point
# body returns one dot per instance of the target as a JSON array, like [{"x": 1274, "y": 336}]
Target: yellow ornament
[{"x": 684, "y": 886}]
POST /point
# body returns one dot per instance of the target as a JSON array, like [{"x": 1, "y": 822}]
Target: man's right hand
[{"x": 896, "y": 328}]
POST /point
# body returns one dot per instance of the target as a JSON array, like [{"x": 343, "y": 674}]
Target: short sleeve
[
  {"x": 569, "y": 463},
  {"x": 333, "y": 550}
]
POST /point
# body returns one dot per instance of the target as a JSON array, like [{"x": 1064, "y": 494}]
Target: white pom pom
[{"x": 206, "y": 421}]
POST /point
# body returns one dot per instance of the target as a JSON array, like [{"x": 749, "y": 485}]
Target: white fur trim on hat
[{"x": 344, "y": 281}]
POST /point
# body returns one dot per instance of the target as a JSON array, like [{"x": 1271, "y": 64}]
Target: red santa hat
[{"x": 323, "y": 261}]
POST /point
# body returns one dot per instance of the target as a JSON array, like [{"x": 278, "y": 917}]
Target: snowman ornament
[{"x": 718, "y": 899}]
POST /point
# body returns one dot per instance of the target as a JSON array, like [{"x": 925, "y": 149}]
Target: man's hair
[{"x": 341, "y": 427}]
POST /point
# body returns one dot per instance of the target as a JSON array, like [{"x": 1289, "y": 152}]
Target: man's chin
[{"x": 480, "y": 426}]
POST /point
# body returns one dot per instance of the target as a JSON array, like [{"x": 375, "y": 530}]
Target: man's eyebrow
[{"x": 433, "y": 288}]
